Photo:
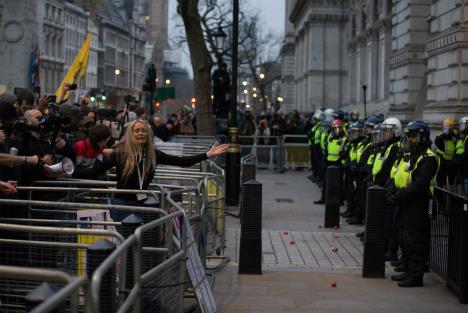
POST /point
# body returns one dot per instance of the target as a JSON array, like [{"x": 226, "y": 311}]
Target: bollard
[
  {"x": 129, "y": 225},
  {"x": 374, "y": 243},
  {"x": 248, "y": 172},
  {"x": 95, "y": 255},
  {"x": 250, "y": 255},
  {"x": 332, "y": 197},
  {"x": 41, "y": 294}
]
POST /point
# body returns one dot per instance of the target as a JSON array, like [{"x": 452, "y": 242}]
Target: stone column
[
  {"x": 372, "y": 64},
  {"x": 17, "y": 32},
  {"x": 408, "y": 60},
  {"x": 447, "y": 92}
]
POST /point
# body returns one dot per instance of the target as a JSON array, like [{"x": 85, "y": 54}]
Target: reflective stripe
[
  {"x": 361, "y": 148},
  {"x": 334, "y": 148},
  {"x": 317, "y": 134},
  {"x": 378, "y": 163},
  {"x": 403, "y": 174},
  {"x": 449, "y": 150},
  {"x": 460, "y": 147}
]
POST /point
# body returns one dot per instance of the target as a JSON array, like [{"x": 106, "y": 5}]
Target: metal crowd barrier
[
  {"x": 204, "y": 209},
  {"x": 267, "y": 151},
  {"x": 296, "y": 151},
  {"x": 154, "y": 270},
  {"x": 248, "y": 167},
  {"x": 194, "y": 144},
  {"x": 449, "y": 240},
  {"x": 17, "y": 286}
]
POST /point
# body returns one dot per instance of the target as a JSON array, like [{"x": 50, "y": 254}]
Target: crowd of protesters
[{"x": 38, "y": 132}]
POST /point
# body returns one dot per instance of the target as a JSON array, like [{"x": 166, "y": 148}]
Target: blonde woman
[{"x": 135, "y": 160}]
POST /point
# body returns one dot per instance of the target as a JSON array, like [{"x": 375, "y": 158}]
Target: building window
[
  {"x": 363, "y": 19},
  {"x": 376, "y": 10}
]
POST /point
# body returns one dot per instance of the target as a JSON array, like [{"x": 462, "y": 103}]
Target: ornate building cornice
[
  {"x": 300, "y": 5},
  {"x": 327, "y": 19}
]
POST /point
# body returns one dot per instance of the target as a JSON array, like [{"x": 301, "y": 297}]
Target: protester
[{"x": 135, "y": 160}]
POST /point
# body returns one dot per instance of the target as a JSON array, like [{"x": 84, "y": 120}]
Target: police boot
[
  {"x": 412, "y": 281},
  {"x": 400, "y": 269},
  {"x": 399, "y": 277}
]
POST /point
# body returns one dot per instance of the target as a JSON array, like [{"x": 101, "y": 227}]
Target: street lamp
[
  {"x": 220, "y": 37},
  {"x": 168, "y": 81},
  {"x": 117, "y": 73},
  {"x": 244, "y": 83},
  {"x": 364, "y": 89},
  {"x": 262, "y": 76},
  {"x": 233, "y": 154}
]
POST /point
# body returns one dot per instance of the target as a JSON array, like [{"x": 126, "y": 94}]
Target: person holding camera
[
  {"x": 135, "y": 160},
  {"x": 36, "y": 140}
]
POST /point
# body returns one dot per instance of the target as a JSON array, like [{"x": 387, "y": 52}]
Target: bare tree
[
  {"x": 257, "y": 53},
  {"x": 201, "y": 64},
  {"x": 201, "y": 19}
]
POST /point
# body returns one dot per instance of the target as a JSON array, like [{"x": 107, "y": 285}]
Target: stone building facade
[
  {"x": 77, "y": 26},
  {"x": 411, "y": 56},
  {"x": 321, "y": 74},
  {"x": 59, "y": 27}
]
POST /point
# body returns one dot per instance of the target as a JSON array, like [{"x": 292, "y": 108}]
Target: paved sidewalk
[{"x": 300, "y": 263}]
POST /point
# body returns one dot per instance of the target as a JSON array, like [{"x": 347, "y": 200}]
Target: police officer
[
  {"x": 445, "y": 148},
  {"x": 355, "y": 137},
  {"x": 333, "y": 152},
  {"x": 461, "y": 148},
  {"x": 414, "y": 180},
  {"x": 327, "y": 119},
  {"x": 391, "y": 132},
  {"x": 364, "y": 157},
  {"x": 314, "y": 152}
]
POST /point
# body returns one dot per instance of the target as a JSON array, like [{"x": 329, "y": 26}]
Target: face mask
[{"x": 446, "y": 130}]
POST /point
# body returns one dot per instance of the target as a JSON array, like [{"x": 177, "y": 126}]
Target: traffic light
[{"x": 150, "y": 80}]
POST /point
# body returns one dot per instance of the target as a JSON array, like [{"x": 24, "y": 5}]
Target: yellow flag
[{"x": 78, "y": 67}]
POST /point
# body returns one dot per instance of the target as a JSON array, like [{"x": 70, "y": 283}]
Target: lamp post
[
  {"x": 364, "y": 89},
  {"x": 117, "y": 73},
  {"x": 220, "y": 38},
  {"x": 233, "y": 153}
]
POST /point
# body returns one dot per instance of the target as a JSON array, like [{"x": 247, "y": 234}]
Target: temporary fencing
[
  {"x": 449, "y": 240},
  {"x": 112, "y": 264}
]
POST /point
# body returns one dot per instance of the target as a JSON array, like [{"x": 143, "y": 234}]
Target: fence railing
[{"x": 449, "y": 240}]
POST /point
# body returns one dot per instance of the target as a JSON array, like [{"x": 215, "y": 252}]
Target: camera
[
  {"x": 129, "y": 98},
  {"x": 55, "y": 120}
]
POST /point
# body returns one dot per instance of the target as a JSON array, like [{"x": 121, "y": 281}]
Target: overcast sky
[{"x": 271, "y": 14}]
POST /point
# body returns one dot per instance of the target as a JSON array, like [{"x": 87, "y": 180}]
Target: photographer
[
  {"x": 36, "y": 139},
  {"x": 25, "y": 101}
]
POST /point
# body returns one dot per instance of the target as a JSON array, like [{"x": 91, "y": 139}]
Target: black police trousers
[{"x": 415, "y": 234}]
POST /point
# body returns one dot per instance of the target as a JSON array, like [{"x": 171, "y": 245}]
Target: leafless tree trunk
[{"x": 201, "y": 65}]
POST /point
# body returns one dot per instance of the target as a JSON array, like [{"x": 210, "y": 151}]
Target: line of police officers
[{"x": 377, "y": 152}]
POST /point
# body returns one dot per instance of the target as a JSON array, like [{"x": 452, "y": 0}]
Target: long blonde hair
[{"x": 131, "y": 152}]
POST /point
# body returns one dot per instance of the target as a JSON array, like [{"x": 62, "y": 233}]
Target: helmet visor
[
  {"x": 388, "y": 132},
  {"x": 447, "y": 129},
  {"x": 355, "y": 133},
  {"x": 462, "y": 125}
]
